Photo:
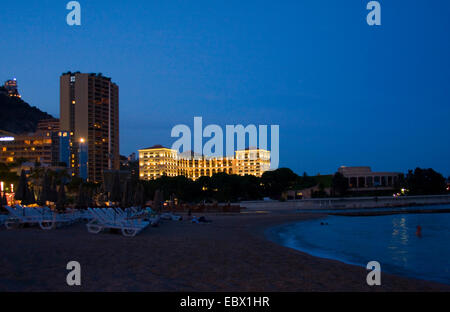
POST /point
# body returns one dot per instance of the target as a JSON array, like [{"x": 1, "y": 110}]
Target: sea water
[{"x": 391, "y": 240}]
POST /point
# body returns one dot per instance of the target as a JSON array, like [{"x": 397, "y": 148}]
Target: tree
[
  {"x": 320, "y": 193},
  {"x": 276, "y": 181},
  {"x": 425, "y": 182},
  {"x": 339, "y": 184}
]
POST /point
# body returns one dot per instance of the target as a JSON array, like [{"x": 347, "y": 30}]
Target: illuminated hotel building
[
  {"x": 89, "y": 108},
  {"x": 158, "y": 161},
  {"x": 47, "y": 145},
  {"x": 252, "y": 162},
  {"x": 35, "y": 147}
]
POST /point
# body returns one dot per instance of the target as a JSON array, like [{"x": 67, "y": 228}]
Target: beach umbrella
[
  {"x": 4, "y": 201},
  {"x": 115, "y": 194},
  {"x": 61, "y": 201},
  {"x": 138, "y": 200},
  {"x": 127, "y": 194},
  {"x": 157, "y": 200},
  {"x": 31, "y": 199},
  {"x": 81, "y": 198},
  {"x": 161, "y": 198},
  {"x": 45, "y": 190},
  {"x": 22, "y": 188},
  {"x": 124, "y": 201},
  {"x": 53, "y": 194}
]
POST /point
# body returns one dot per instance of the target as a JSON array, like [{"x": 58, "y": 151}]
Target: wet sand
[{"x": 231, "y": 254}]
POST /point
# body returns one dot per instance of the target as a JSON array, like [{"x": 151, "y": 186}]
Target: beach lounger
[
  {"x": 44, "y": 217},
  {"x": 108, "y": 218},
  {"x": 3, "y": 218},
  {"x": 170, "y": 216}
]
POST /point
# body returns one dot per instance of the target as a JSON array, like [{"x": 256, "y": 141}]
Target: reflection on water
[
  {"x": 390, "y": 240},
  {"x": 399, "y": 236}
]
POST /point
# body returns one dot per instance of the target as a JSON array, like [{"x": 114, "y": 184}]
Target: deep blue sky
[{"x": 342, "y": 92}]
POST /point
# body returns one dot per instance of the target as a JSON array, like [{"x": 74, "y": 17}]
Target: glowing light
[
  {"x": 82, "y": 140},
  {"x": 1, "y": 186},
  {"x": 6, "y": 139}
]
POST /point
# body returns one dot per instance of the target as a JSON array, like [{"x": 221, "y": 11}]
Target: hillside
[{"x": 17, "y": 116}]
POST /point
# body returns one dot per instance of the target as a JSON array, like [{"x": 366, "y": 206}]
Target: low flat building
[
  {"x": 364, "y": 179},
  {"x": 158, "y": 161},
  {"x": 35, "y": 147},
  {"x": 43, "y": 146}
]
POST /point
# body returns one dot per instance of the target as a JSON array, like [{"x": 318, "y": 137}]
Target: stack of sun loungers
[
  {"x": 129, "y": 222},
  {"x": 44, "y": 217}
]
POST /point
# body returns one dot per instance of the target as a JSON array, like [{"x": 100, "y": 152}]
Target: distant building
[
  {"x": 48, "y": 145},
  {"x": 11, "y": 88},
  {"x": 89, "y": 109},
  {"x": 48, "y": 125},
  {"x": 65, "y": 149},
  {"x": 158, "y": 161},
  {"x": 36, "y": 147},
  {"x": 132, "y": 157},
  {"x": 130, "y": 164},
  {"x": 364, "y": 179}
]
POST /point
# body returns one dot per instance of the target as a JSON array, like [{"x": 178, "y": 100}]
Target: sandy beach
[{"x": 233, "y": 253}]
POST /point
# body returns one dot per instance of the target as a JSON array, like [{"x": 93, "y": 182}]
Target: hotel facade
[{"x": 158, "y": 161}]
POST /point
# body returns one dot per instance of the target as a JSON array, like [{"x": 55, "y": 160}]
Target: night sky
[{"x": 343, "y": 93}]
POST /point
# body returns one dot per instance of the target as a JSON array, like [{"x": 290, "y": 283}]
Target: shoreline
[
  {"x": 232, "y": 253},
  {"x": 272, "y": 234}
]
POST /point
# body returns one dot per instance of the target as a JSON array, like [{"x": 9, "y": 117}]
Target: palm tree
[
  {"x": 37, "y": 175},
  {"x": 60, "y": 203}
]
